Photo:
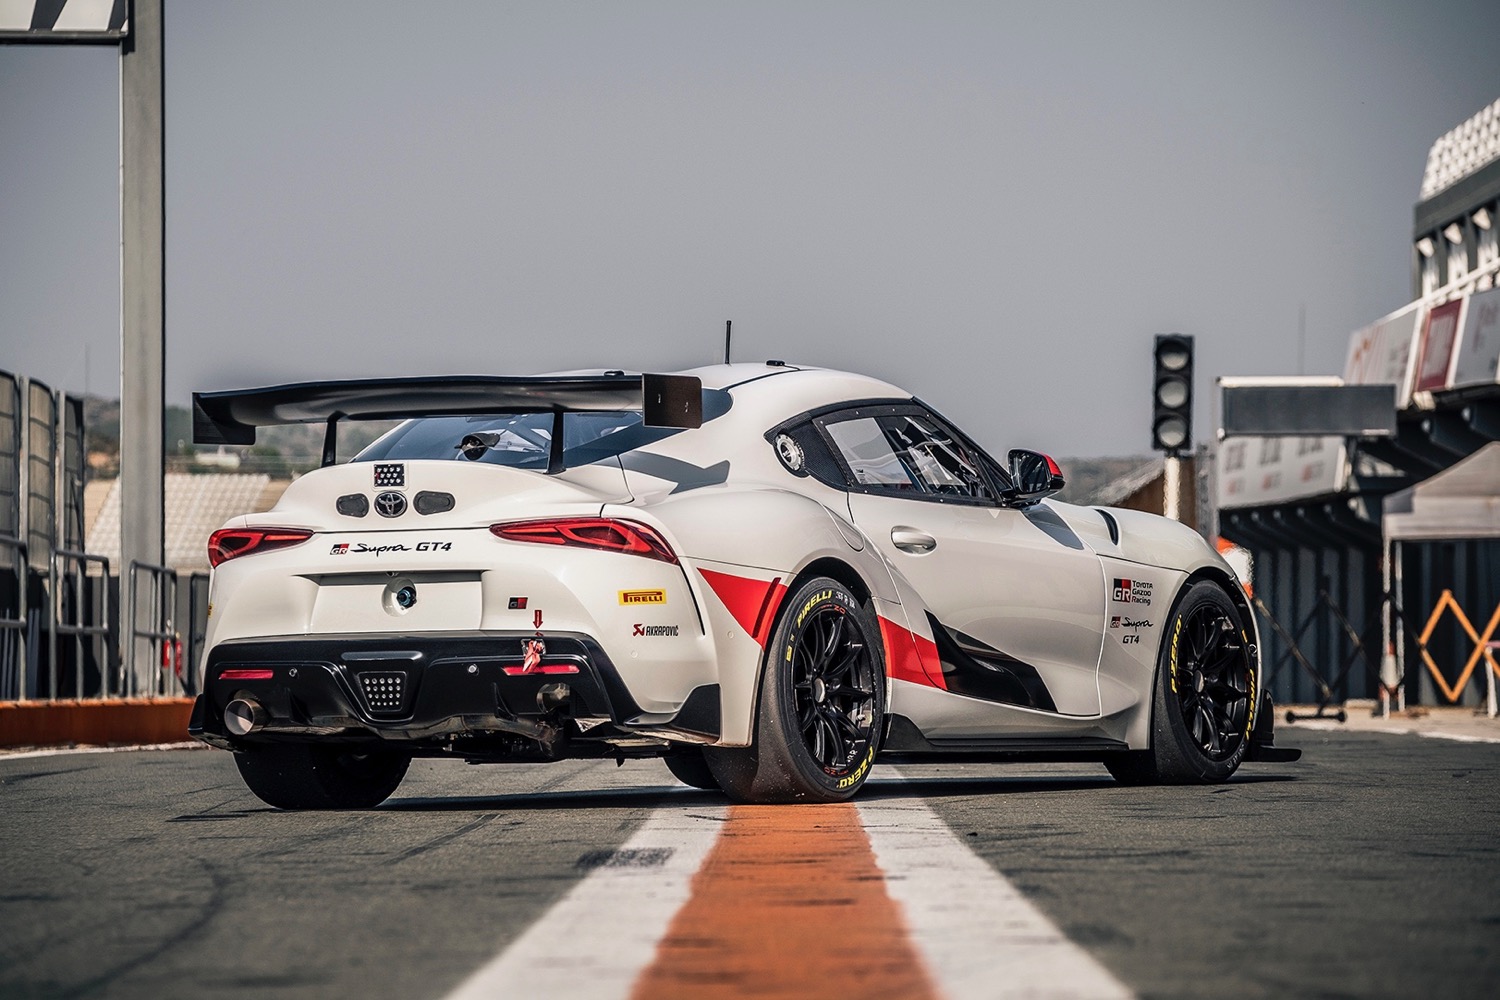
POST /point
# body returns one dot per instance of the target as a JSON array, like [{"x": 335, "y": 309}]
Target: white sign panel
[
  {"x": 1479, "y": 345},
  {"x": 1382, "y": 353},
  {"x": 1263, "y": 470},
  {"x": 46, "y": 20}
]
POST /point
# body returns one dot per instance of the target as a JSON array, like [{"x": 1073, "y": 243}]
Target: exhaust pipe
[{"x": 243, "y": 716}]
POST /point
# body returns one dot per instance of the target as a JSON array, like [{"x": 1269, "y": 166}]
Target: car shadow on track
[{"x": 661, "y": 796}]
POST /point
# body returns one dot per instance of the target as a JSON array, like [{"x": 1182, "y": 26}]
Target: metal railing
[
  {"x": 1363, "y": 649},
  {"x": 13, "y": 627},
  {"x": 153, "y": 647},
  {"x": 80, "y": 612}
]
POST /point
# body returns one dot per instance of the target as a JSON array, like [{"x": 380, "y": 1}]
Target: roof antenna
[{"x": 727, "y": 324}]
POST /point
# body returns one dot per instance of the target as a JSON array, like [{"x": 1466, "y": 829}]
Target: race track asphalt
[{"x": 1369, "y": 869}]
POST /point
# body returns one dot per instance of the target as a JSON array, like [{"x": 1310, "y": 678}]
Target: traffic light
[{"x": 1172, "y": 395}]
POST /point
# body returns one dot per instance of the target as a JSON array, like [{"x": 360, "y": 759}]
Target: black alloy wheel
[
  {"x": 833, "y": 692},
  {"x": 1203, "y": 710},
  {"x": 822, "y": 703},
  {"x": 1212, "y": 679}
]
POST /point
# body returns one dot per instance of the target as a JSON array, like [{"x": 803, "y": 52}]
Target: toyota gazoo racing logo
[
  {"x": 390, "y": 504},
  {"x": 1132, "y": 591}
]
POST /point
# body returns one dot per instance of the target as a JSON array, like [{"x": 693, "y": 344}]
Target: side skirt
[{"x": 905, "y": 744}]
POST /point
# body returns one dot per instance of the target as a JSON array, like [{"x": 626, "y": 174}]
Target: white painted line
[
  {"x": 1433, "y": 734},
  {"x": 595, "y": 941},
  {"x": 1459, "y": 737},
  {"x": 979, "y": 936},
  {"x": 64, "y": 751}
]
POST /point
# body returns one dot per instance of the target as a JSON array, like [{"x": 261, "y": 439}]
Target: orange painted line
[{"x": 789, "y": 903}]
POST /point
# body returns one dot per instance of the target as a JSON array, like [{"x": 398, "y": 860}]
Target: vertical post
[
  {"x": 1172, "y": 487},
  {"x": 142, "y": 305},
  {"x": 1206, "y": 475},
  {"x": 1388, "y": 673},
  {"x": 1398, "y": 594},
  {"x": 23, "y": 527},
  {"x": 1492, "y": 709},
  {"x": 59, "y": 527}
]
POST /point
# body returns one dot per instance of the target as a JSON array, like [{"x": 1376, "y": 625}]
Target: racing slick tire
[
  {"x": 1203, "y": 711},
  {"x": 316, "y": 776},
  {"x": 689, "y": 767},
  {"x": 822, "y": 704}
]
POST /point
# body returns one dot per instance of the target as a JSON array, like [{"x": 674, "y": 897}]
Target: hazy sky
[{"x": 995, "y": 205}]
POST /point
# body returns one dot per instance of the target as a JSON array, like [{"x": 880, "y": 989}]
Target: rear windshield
[{"x": 519, "y": 440}]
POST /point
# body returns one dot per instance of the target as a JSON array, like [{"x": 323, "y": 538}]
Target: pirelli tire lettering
[{"x": 858, "y": 774}]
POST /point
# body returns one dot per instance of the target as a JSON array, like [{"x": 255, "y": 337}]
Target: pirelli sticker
[{"x": 633, "y": 598}]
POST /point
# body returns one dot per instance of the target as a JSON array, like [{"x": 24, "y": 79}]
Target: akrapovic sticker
[{"x": 656, "y": 631}]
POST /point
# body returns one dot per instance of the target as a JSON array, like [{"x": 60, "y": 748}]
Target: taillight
[
  {"x": 603, "y": 533},
  {"x": 229, "y": 543},
  {"x": 244, "y": 674}
]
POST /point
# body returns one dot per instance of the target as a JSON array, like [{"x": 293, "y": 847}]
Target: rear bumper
[{"x": 431, "y": 690}]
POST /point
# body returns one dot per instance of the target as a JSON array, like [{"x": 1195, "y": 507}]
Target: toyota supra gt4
[{"x": 770, "y": 577}]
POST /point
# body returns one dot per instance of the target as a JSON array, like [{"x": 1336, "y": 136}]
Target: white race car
[{"x": 769, "y": 576}]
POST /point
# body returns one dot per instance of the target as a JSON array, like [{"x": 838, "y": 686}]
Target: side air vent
[
  {"x": 1111, "y": 524},
  {"x": 353, "y": 505},
  {"x": 433, "y": 503}
]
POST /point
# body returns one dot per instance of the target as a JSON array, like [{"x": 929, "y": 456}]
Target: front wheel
[
  {"x": 319, "y": 776},
  {"x": 1203, "y": 711},
  {"x": 822, "y": 704}
]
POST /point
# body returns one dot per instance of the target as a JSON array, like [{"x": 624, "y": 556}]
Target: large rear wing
[{"x": 232, "y": 416}]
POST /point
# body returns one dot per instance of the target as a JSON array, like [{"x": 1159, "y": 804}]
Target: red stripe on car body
[
  {"x": 911, "y": 657},
  {"x": 752, "y": 603}
]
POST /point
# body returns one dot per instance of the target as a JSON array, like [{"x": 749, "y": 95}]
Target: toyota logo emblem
[{"x": 390, "y": 504}]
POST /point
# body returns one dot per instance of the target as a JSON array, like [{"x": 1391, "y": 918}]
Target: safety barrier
[
  {"x": 1390, "y": 684},
  {"x": 153, "y": 651},
  {"x": 1483, "y": 649},
  {"x": 13, "y": 620},
  {"x": 195, "y": 627},
  {"x": 1326, "y": 687},
  {"x": 80, "y": 613}
]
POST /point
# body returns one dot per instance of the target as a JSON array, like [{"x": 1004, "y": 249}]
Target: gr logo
[{"x": 1132, "y": 591}]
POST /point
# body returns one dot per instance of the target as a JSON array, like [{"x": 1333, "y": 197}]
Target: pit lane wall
[{"x": 124, "y": 721}]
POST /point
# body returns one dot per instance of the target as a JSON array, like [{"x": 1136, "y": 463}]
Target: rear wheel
[
  {"x": 1204, "y": 708},
  {"x": 689, "y": 767},
  {"x": 315, "y": 776},
  {"x": 822, "y": 704}
]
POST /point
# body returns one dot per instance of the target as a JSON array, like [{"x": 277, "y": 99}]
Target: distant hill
[
  {"x": 279, "y": 452},
  {"x": 1085, "y": 477}
]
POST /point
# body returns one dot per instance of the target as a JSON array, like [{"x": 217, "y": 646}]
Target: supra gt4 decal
[
  {"x": 360, "y": 548},
  {"x": 1133, "y": 637}
]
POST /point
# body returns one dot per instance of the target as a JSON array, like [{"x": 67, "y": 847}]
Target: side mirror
[{"x": 1034, "y": 477}]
